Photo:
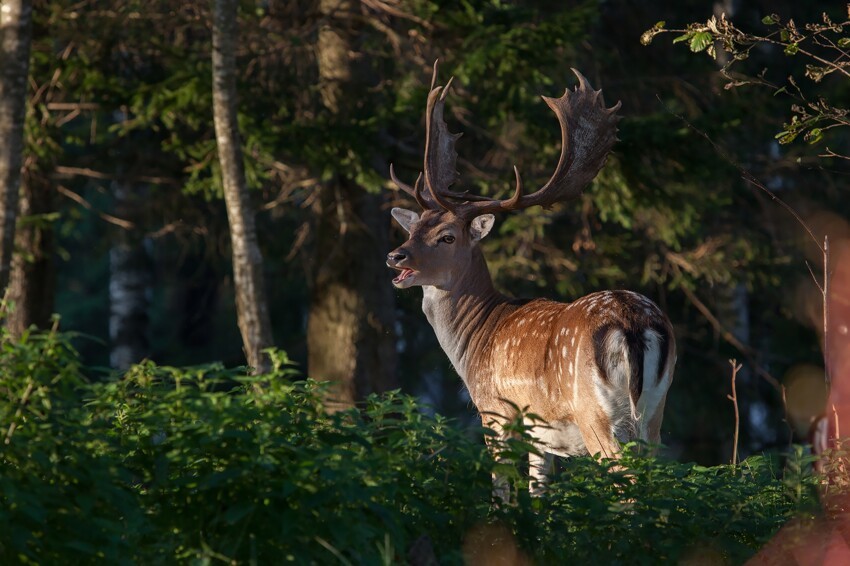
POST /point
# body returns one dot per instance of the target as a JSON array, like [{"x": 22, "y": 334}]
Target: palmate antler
[{"x": 588, "y": 132}]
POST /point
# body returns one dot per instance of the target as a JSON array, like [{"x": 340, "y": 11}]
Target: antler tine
[
  {"x": 434, "y": 73},
  {"x": 399, "y": 183},
  {"x": 588, "y": 132},
  {"x": 440, "y": 155},
  {"x": 415, "y": 191}
]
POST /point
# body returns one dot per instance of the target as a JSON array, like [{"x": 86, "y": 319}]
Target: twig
[
  {"x": 93, "y": 174},
  {"x": 65, "y": 106},
  {"x": 746, "y": 175},
  {"x": 830, "y": 153},
  {"x": 24, "y": 400},
  {"x": 126, "y": 224},
  {"x": 729, "y": 337},
  {"x": 734, "y": 398},
  {"x": 825, "y": 294},
  {"x": 380, "y": 6}
]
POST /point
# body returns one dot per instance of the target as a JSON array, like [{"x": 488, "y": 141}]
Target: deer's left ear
[
  {"x": 481, "y": 226},
  {"x": 407, "y": 218}
]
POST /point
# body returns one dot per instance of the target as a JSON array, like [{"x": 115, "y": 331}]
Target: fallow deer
[{"x": 596, "y": 370}]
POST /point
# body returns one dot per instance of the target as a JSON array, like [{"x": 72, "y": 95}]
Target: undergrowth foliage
[{"x": 166, "y": 464}]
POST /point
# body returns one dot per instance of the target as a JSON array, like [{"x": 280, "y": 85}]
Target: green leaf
[
  {"x": 844, "y": 42},
  {"x": 791, "y": 49},
  {"x": 814, "y": 136},
  {"x": 681, "y": 38},
  {"x": 785, "y": 137},
  {"x": 770, "y": 20},
  {"x": 700, "y": 41}
]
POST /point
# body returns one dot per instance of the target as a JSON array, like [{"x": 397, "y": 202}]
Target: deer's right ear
[
  {"x": 481, "y": 226},
  {"x": 407, "y": 218}
]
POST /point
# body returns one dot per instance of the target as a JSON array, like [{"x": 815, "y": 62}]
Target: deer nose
[{"x": 396, "y": 256}]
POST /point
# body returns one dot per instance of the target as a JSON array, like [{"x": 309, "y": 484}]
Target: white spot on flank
[{"x": 574, "y": 371}]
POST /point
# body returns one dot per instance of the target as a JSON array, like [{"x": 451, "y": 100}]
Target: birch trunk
[
  {"x": 129, "y": 285},
  {"x": 16, "y": 30},
  {"x": 251, "y": 306}
]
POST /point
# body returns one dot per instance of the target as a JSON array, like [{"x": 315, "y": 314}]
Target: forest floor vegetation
[{"x": 164, "y": 465}]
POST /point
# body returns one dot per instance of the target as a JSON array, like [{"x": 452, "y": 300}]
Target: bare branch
[
  {"x": 736, "y": 367},
  {"x": 729, "y": 337},
  {"x": 126, "y": 224},
  {"x": 746, "y": 175},
  {"x": 71, "y": 106},
  {"x": 93, "y": 174}
]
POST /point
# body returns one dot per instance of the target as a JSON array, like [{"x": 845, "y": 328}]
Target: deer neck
[{"x": 462, "y": 314}]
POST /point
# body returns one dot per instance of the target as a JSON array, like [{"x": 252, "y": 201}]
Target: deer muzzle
[{"x": 397, "y": 259}]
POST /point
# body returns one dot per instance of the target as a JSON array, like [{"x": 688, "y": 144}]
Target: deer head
[
  {"x": 439, "y": 242},
  {"x": 444, "y": 239}
]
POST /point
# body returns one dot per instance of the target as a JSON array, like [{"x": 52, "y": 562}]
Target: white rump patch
[{"x": 654, "y": 386}]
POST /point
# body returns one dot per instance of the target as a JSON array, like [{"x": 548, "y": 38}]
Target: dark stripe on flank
[
  {"x": 600, "y": 354},
  {"x": 664, "y": 354}
]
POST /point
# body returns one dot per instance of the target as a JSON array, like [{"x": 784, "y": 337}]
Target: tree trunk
[
  {"x": 16, "y": 30},
  {"x": 350, "y": 338},
  {"x": 33, "y": 278},
  {"x": 251, "y": 306},
  {"x": 129, "y": 285}
]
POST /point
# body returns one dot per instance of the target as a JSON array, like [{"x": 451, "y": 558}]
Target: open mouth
[{"x": 404, "y": 274}]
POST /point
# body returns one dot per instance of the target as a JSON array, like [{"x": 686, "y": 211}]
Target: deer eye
[{"x": 448, "y": 238}]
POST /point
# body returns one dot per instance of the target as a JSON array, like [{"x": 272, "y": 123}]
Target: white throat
[{"x": 440, "y": 311}]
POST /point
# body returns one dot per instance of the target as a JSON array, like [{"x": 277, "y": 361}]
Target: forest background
[{"x": 122, "y": 229}]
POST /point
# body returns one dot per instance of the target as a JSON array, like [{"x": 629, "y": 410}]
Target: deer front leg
[{"x": 501, "y": 486}]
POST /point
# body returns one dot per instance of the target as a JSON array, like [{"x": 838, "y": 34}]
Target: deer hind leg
[
  {"x": 539, "y": 468},
  {"x": 609, "y": 416},
  {"x": 659, "y": 375},
  {"x": 598, "y": 434}
]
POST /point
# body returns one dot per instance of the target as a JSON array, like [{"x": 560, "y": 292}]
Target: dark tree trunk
[
  {"x": 350, "y": 336},
  {"x": 129, "y": 284},
  {"x": 251, "y": 306},
  {"x": 33, "y": 278},
  {"x": 16, "y": 30}
]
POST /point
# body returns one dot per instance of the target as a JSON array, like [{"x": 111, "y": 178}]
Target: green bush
[{"x": 204, "y": 463}]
